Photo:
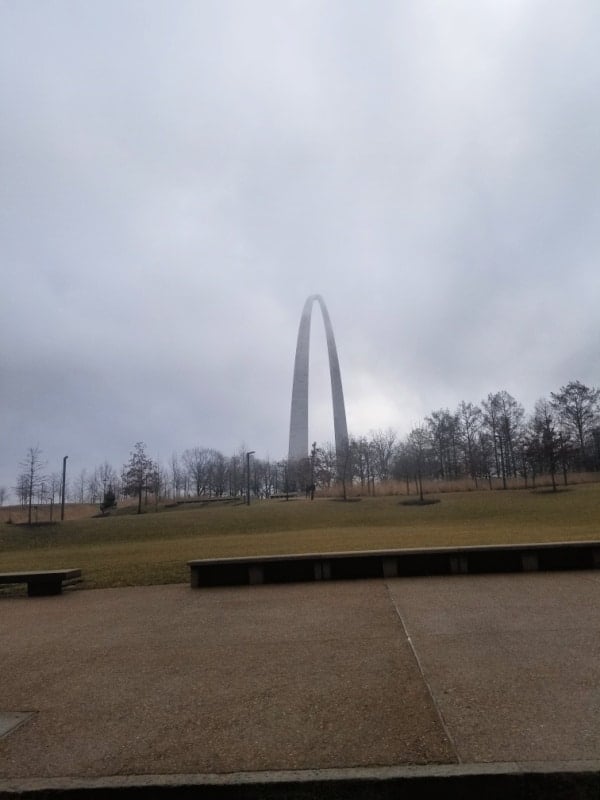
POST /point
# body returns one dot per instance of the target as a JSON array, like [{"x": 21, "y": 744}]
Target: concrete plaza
[{"x": 166, "y": 680}]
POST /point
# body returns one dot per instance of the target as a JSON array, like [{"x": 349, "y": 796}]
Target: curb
[{"x": 497, "y": 781}]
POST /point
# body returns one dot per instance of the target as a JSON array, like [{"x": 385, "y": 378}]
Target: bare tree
[
  {"x": 280, "y": 479},
  {"x": 3, "y": 495},
  {"x": 177, "y": 476},
  {"x": 325, "y": 465},
  {"x": 491, "y": 419},
  {"x": 218, "y": 472},
  {"x": 157, "y": 482},
  {"x": 54, "y": 484},
  {"x": 577, "y": 406},
  {"x": 31, "y": 478},
  {"x": 418, "y": 446},
  {"x": 469, "y": 419},
  {"x": 403, "y": 464},
  {"x": 544, "y": 439},
  {"x": 196, "y": 461},
  {"x": 107, "y": 476},
  {"x": 511, "y": 419},
  {"x": 382, "y": 449},
  {"x": 344, "y": 467},
  {"x": 235, "y": 474},
  {"x": 363, "y": 463},
  {"x": 502, "y": 418},
  {"x": 443, "y": 428},
  {"x": 21, "y": 489},
  {"x": 79, "y": 486},
  {"x": 94, "y": 487}
]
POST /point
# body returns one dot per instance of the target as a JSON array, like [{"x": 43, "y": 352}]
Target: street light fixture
[
  {"x": 248, "y": 454},
  {"x": 62, "y": 489}
]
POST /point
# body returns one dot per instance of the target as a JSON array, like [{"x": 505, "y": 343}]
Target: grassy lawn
[{"x": 128, "y": 550}]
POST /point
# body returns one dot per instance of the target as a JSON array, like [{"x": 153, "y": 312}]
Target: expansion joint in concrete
[{"x": 426, "y": 682}]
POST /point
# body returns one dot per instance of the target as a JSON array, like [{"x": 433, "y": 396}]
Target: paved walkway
[{"x": 169, "y": 680}]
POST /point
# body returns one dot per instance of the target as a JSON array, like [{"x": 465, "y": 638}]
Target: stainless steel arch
[{"x": 298, "y": 448}]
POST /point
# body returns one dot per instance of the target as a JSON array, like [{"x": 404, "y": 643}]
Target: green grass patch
[{"x": 153, "y": 548}]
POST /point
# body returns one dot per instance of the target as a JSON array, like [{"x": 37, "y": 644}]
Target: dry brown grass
[
  {"x": 437, "y": 486},
  {"x": 154, "y": 547},
  {"x": 73, "y": 511}
]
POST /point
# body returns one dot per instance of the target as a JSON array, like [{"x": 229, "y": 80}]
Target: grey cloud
[{"x": 178, "y": 178}]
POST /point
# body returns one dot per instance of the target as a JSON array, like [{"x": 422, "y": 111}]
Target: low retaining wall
[{"x": 394, "y": 563}]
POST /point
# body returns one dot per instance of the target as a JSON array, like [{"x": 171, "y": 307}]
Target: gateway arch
[{"x": 298, "y": 448}]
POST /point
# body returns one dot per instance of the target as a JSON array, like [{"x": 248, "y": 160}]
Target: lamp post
[
  {"x": 248, "y": 454},
  {"x": 62, "y": 489}
]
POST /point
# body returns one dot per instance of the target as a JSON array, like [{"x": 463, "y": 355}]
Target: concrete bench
[
  {"x": 42, "y": 582},
  {"x": 409, "y": 562}
]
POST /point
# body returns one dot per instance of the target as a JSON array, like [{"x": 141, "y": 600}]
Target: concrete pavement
[{"x": 450, "y": 671}]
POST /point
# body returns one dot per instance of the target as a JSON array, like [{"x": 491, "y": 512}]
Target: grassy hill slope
[{"x": 154, "y": 547}]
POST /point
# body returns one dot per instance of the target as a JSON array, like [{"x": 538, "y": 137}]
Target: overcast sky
[{"x": 177, "y": 178}]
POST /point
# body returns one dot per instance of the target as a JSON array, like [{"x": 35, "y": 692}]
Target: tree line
[
  {"x": 487, "y": 443},
  {"x": 494, "y": 440}
]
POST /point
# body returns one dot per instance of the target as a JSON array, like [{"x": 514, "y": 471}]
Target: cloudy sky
[{"x": 177, "y": 177}]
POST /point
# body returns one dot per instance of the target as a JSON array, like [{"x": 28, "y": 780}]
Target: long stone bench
[
  {"x": 42, "y": 582},
  {"x": 394, "y": 563}
]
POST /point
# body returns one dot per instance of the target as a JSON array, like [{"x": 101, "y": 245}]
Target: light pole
[
  {"x": 248, "y": 454},
  {"x": 62, "y": 489}
]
